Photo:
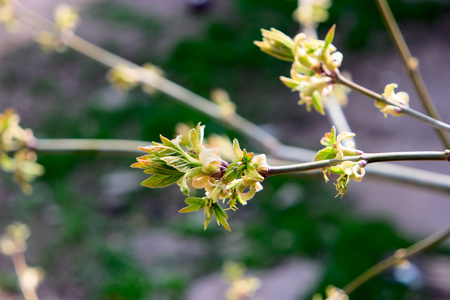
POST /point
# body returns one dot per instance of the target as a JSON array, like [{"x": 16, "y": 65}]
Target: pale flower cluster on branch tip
[
  {"x": 240, "y": 286},
  {"x": 14, "y": 239},
  {"x": 312, "y": 12},
  {"x": 226, "y": 107},
  {"x": 14, "y": 139},
  {"x": 8, "y": 15},
  {"x": 203, "y": 168},
  {"x": 66, "y": 20},
  {"x": 315, "y": 65},
  {"x": 334, "y": 149},
  {"x": 400, "y": 98},
  {"x": 348, "y": 170},
  {"x": 124, "y": 77},
  {"x": 13, "y": 242},
  {"x": 332, "y": 293}
]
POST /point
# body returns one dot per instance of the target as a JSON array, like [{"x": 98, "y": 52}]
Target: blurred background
[{"x": 98, "y": 234}]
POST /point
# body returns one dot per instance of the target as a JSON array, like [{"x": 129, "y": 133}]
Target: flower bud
[{"x": 276, "y": 44}]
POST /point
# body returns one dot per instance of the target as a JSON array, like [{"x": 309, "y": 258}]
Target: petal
[
  {"x": 344, "y": 135},
  {"x": 389, "y": 90},
  {"x": 404, "y": 97},
  {"x": 201, "y": 181}
]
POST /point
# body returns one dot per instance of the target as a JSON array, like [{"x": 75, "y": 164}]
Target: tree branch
[
  {"x": 402, "y": 254},
  {"x": 404, "y": 109},
  {"x": 368, "y": 157},
  {"x": 411, "y": 63}
]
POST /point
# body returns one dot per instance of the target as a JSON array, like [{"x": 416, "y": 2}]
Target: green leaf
[
  {"x": 289, "y": 82},
  {"x": 160, "y": 150},
  {"x": 182, "y": 183},
  {"x": 326, "y": 153},
  {"x": 6, "y": 163},
  {"x": 137, "y": 165},
  {"x": 253, "y": 174},
  {"x": 329, "y": 38},
  {"x": 247, "y": 156},
  {"x": 193, "y": 201},
  {"x": 196, "y": 138},
  {"x": 333, "y": 135},
  {"x": 166, "y": 151},
  {"x": 194, "y": 204},
  {"x": 174, "y": 144},
  {"x": 178, "y": 163},
  {"x": 221, "y": 216},
  {"x": 329, "y": 139},
  {"x": 208, "y": 213},
  {"x": 336, "y": 170},
  {"x": 317, "y": 103},
  {"x": 159, "y": 167},
  {"x": 237, "y": 150},
  {"x": 194, "y": 172},
  {"x": 230, "y": 175},
  {"x": 159, "y": 181}
]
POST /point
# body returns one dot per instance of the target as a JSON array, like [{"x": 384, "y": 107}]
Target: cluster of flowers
[
  {"x": 334, "y": 149},
  {"x": 241, "y": 286},
  {"x": 400, "y": 98},
  {"x": 312, "y": 12},
  {"x": 14, "y": 138},
  {"x": 332, "y": 293},
  {"x": 66, "y": 20},
  {"x": 7, "y": 14},
  {"x": 315, "y": 62},
  {"x": 12, "y": 243},
  {"x": 315, "y": 68},
  {"x": 124, "y": 77},
  {"x": 203, "y": 168}
]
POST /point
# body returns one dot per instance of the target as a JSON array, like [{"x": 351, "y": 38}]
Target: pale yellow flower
[
  {"x": 66, "y": 17},
  {"x": 332, "y": 293},
  {"x": 348, "y": 171},
  {"x": 222, "y": 99},
  {"x": 50, "y": 42},
  {"x": 7, "y": 15},
  {"x": 400, "y": 98},
  {"x": 261, "y": 163},
  {"x": 210, "y": 159},
  {"x": 204, "y": 181},
  {"x": 311, "y": 12},
  {"x": 123, "y": 77},
  {"x": 32, "y": 277}
]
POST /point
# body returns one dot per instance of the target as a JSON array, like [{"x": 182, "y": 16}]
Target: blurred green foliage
[{"x": 72, "y": 216}]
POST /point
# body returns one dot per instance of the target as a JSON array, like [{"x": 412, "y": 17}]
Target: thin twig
[
  {"x": 20, "y": 266},
  {"x": 368, "y": 157},
  {"x": 89, "y": 145},
  {"x": 411, "y": 63},
  {"x": 404, "y": 109},
  {"x": 423, "y": 245}
]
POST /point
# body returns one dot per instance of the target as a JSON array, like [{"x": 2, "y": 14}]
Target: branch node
[
  {"x": 447, "y": 152},
  {"x": 413, "y": 64},
  {"x": 266, "y": 173}
]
